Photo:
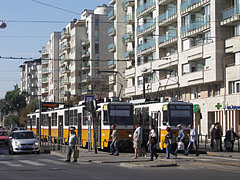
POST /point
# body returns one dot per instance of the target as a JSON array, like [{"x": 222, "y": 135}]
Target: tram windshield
[
  {"x": 120, "y": 114},
  {"x": 180, "y": 114}
]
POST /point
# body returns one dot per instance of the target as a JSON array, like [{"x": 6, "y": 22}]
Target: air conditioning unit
[{"x": 206, "y": 67}]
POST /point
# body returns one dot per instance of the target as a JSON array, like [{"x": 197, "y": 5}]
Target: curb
[
  {"x": 120, "y": 161},
  {"x": 220, "y": 154},
  {"x": 127, "y": 165}
]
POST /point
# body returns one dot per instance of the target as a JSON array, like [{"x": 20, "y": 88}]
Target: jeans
[
  {"x": 152, "y": 151},
  {"x": 216, "y": 144},
  {"x": 70, "y": 151},
  {"x": 114, "y": 147},
  {"x": 189, "y": 146}
]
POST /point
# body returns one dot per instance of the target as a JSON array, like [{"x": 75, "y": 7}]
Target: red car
[{"x": 4, "y": 137}]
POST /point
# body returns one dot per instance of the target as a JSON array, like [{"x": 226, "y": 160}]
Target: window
[
  {"x": 180, "y": 95},
  {"x": 237, "y": 58},
  {"x": 185, "y": 69},
  {"x": 217, "y": 89},
  {"x": 140, "y": 80},
  {"x": 199, "y": 92},
  {"x": 66, "y": 115},
  {"x": 96, "y": 48},
  {"x": 234, "y": 87},
  {"x": 210, "y": 91},
  {"x": 54, "y": 119},
  {"x": 207, "y": 37},
  {"x": 237, "y": 29},
  {"x": 193, "y": 93},
  {"x": 207, "y": 64}
]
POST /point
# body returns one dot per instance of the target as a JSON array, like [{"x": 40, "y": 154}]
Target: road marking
[
  {"x": 221, "y": 158},
  {"x": 2, "y": 155},
  {"x": 10, "y": 164},
  {"x": 31, "y": 163},
  {"x": 52, "y": 161}
]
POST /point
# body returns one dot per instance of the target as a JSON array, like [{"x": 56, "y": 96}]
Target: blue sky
[{"x": 14, "y": 41}]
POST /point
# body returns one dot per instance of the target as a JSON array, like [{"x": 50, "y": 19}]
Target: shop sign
[{"x": 233, "y": 107}]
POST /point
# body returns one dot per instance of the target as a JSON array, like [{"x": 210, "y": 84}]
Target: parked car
[
  {"x": 4, "y": 137},
  {"x": 23, "y": 141}
]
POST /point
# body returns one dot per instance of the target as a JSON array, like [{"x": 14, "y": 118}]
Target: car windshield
[
  {"x": 23, "y": 135},
  {"x": 3, "y": 133}
]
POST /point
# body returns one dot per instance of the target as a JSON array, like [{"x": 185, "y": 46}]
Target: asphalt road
[{"x": 46, "y": 166}]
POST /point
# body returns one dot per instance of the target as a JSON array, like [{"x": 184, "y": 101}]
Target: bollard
[{"x": 58, "y": 142}]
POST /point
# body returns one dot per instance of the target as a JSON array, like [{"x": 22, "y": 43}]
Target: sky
[{"x": 25, "y": 39}]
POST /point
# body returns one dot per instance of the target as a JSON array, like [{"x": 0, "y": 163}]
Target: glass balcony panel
[
  {"x": 145, "y": 6},
  {"x": 145, "y": 26},
  {"x": 186, "y": 4},
  {"x": 110, "y": 62},
  {"x": 111, "y": 13},
  {"x": 111, "y": 30},
  {"x": 145, "y": 46},
  {"x": 170, "y": 35},
  {"x": 167, "y": 15},
  {"x": 111, "y": 46},
  {"x": 230, "y": 12}
]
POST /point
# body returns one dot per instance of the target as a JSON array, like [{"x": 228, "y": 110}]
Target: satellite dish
[{"x": 3, "y": 25}]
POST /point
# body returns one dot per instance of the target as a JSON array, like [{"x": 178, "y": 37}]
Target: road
[{"x": 46, "y": 166}]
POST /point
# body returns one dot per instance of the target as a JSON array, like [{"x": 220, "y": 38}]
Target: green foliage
[
  {"x": 30, "y": 108},
  {"x": 11, "y": 119}
]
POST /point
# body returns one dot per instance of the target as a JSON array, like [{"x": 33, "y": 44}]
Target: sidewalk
[{"x": 124, "y": 159}]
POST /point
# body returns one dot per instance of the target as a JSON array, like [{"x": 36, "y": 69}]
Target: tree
[
  {"x": 15, "y": 100},
  {"x": 11, "y": 119},
  {"x": 30, "y": 108}
]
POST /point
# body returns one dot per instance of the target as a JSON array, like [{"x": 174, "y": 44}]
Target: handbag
[
  {"x": 180, "y": 146},
  {"x": 76, "y": 154}
]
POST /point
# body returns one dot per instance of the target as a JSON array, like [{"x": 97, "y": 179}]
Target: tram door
[
  {"x": 49, "y": 128},
  {"x": 60, "y": 128},
  {"x": 98, "y": 125},
  {"x": 79, "y": 124},
  {"x": 37, "y": 127}
]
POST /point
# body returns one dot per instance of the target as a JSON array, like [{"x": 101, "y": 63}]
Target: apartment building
[
  {"x": 186, "y": 49},
  {"x": 31, "y": 78},
  {"x": 121, "y": 33},
  {"x": 83, "y": 53},
  {"x": 50, "y": 69},
  {"x": 95, "y": 54}
]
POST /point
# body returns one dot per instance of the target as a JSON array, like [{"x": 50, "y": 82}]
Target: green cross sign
[
  {"x": 218, "y": 105},
  {"x": 196, "y": 108}
]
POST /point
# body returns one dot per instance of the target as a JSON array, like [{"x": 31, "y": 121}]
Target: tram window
[
  {"x": 71, "y": 118},
  {"x": 66, "y": 116},
  {"x": 85, "y": 116},
  {"x": 34, "y": 120},
  {"x": 54, "y": 119},
  {"x": 75, "y": 117},
  {"x": 105, "y": 118},
  {"x": 165, "y": 116},
  {"x": 145, "y": 111}
]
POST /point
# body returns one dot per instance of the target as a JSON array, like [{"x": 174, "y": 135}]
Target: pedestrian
[
  {"x": 114, "y": 144},
  {"x": 152, "y": 139},
  {"x": 211, "y": 143},
  {"x": 193, "y": 140},
  {"x": 216, "y": 133},
  {"x": 230, "y": 138},
  {"x": 169, "y": 141},
  {"x": 137, "y": 140},
  {"x": 221, "y": 134},
  {"x": 180, "y": 138},
  {"x": 72, "y": 144}
]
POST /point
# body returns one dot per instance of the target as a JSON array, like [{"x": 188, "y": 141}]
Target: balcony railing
[
  {"x": 171, "y": 35},
  {"x": 111, "y": 14},
  {"x": 125, "y": 2},
  {"x": 129, "y": 18},
  {"x": 227, "y": 13},
  {"x": 45, "y": 61},
  {"x": 145, "y": 6},
  {"x": 111, "y": 46},
  {"x": 129, "y": 54},
  {"x": 146, "y": 46},
  {"x": 167, "y": 15},
  {"x": 145, "y": 26},
  {"x": 186, "y": 4},
  {"x": 111, "y": 62},
  {"x": 195, "y": 25},
  {"x": 44, "y": 80},
  {"x": 45, "y": 70},
  {"x": 127, "y": 36},
  {"x": 111, "y": 30}
]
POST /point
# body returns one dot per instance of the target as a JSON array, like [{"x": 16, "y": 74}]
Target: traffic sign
[{"x": 89, "y": 97}]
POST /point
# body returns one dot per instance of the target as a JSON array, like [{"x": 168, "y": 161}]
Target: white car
[{"x": 23, "y": 141}]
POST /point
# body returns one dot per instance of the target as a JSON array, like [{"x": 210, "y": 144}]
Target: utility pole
[
  {"x": 40, "y": 120},
  {"x": 144, "y": 94}
]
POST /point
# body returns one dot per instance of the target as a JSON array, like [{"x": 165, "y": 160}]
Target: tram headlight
[{"x": 130, "y": 135}]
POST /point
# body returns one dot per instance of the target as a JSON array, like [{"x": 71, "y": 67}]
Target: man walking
[
  {"x": 193, "y": 139},
  {"x": 230, "y": 138},
  {"x": 114, "y": 144},
  {"x": 151, "y": 142},
  {"x": 72, "y": 142},
  {"x": 137, "y": 140},
  {"x": 180, "y": 138},
  {"x": 216, "y": 134}
]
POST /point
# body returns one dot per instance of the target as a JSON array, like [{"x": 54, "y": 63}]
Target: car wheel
[{"x": 37, "y": 152}]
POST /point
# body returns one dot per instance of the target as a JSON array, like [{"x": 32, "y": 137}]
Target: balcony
[
  {"x": 85, "y": 66},
  {"x": 85, "y": 54},
  {"x": 45, "y": 61},
  {"x": 112, "y": 79},
  {"x": 111, "y": 64},
  {"x": 44, "y": 90},
  {"x": 85, "y": 42},
  {"x": 233, "y": 73},
  {"x": 232, "y": 45},
  {"x": 66, "y": 81},
  {"x": 66, "y": 47},
  {"x": 111, "y": 15},
  {"x": 129, "y": 55},
  {"x": 128, "y": 3},
  {"x": 128, "y": 37},
  {"x": 168, "y": 18},
  {"x": 84, "y": 78},
  {"x": 231, "y": 15},
  {"x": 147, "y": 7},
  {"x": 194, "y": 77},
  {"x": 196, "y": 27},
  {"x": 111, "y": 31},
  {"x": 130, "y": 91},
  {"x": 130, "y": 72},
  {"x": 44, "y": 50},
  {"x": 165, "y": 2},
  {"x": 65, "y": 70},
  {"x": 111, "y": 47},
  {"x": 45, "y": 80},
  {"x": 44, "y": 70},
  {"x": 149, "y": 46},
  {"x": 112, "y": 2},
  {"x": 65, "y": 35},
  {"x": 146, "y": 28},
  {"x": 168, "y": 39},
  {"x": 129, "y": 19}
]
